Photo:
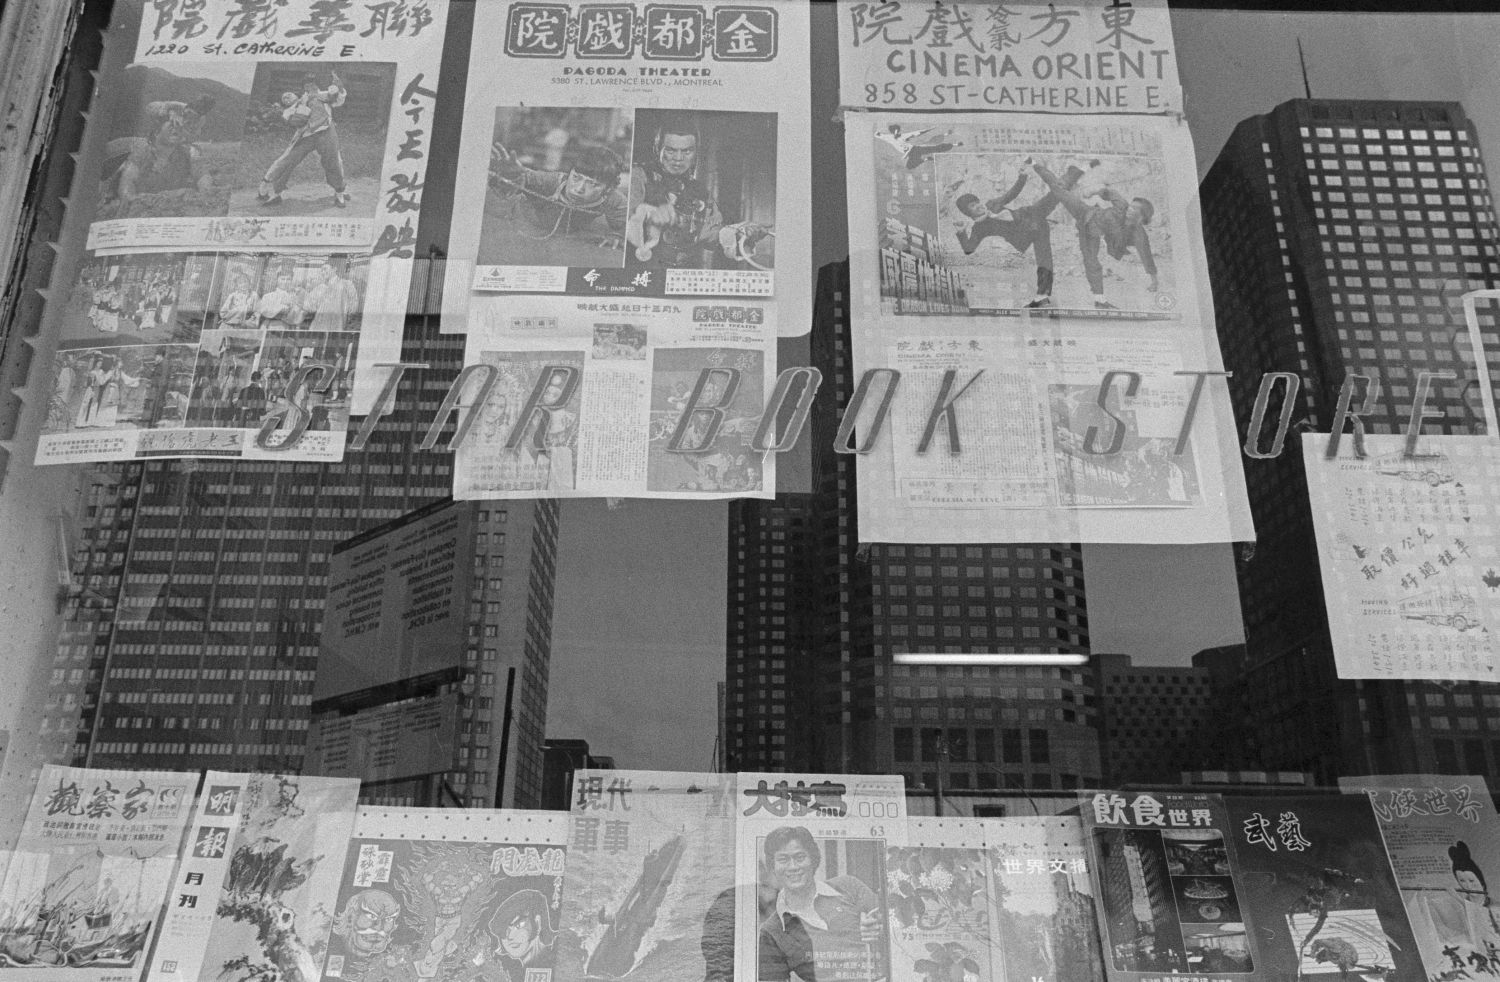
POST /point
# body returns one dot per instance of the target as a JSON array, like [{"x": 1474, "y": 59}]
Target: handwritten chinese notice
[
  {"x": 635, "y": 150},
  {"x": 81, "y": 899},
  {"x": 1090, "y": 56},
  {"x": 1409, "y": 549},
  {"x": 1170, "y": 896},
  {"x": 818, "y": 844}
]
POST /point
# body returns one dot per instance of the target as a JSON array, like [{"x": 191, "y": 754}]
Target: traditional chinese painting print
[
  {"x": 1442, "y": 834},
  {"x": 1410, "y": 555},
  {"x": 460, "y": 895},
  {"x": 1044, "y": 899},
  {"x": 1317, "y": 882},
  {"x": 193, "y": 354},
  {"x": 82, "y": 896},
  {"x": 649, "y": 890},
  {"x": 811, "y": 883},
  {"x": 1040, "y": 278},
  {"x": 255, "y": 890},
  {"x": 1171, "y": 899},
  {"x": 1089, "y": 56},
  {"x": 942, "y": 918},
  {"x": 634, "y": 168}
]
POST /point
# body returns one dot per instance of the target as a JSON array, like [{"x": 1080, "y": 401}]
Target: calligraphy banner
[
  {"x": 614, "y": 156},
  {"x": 1408, "y": 548},
  {"x": 645, "y": 398},
  {"x": 448, "y": 894},
  {"x": 1014, "y": 262},
  {"x": 1319, "y": 888},
  {"x": 258, "y": 876},
  {"x": 1171, "y": 897},
  {"x": 82, "y": 897},
  {"x": 811, "y": 884},
  {"x": 253, "y": 230},
  {"x": 649, "y": 889},
  {"x": 1089, "y": 56},
  {"x": 1442, "y": 833}
]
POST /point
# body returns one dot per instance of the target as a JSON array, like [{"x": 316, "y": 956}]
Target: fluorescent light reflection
[{"x": 1040, "y": 659}]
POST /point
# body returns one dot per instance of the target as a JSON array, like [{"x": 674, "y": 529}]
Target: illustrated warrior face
[
  {"x": 368, "y": 922},
  {"x": 449, "y": 881}
]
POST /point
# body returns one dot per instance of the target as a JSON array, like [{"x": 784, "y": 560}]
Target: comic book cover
[
  {"x": 253, "y": 898},
  {"x": 811, "y": 897},
  {"x": 1044, "y": 901},
  {"x": 942, "y": 917},
  {"x": 1442, "y": 834},
  {"x": 1171, "y": 899},
  {"x": 649, "y": 891},
  {"x": 1316, "y": 879},
  {"x": 82, "y": 895},
  {"x": 458, "y": 895}
]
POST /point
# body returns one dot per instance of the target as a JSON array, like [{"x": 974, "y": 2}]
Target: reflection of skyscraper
[
  {"x": 191, "y": 638},
  {"x": 1340, "y": 236},
  {"x": 815, "y": 621}
]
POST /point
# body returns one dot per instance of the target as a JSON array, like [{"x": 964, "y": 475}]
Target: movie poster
[
  {"x": 649, "y": 890},
  {"x": 942, "y": 918},
  {"x": 1044, "y": 900},
  {"x": 1318, "y": 885},
  {"x": 449, "y": 895},
  {"x": 616, "y": 155},
  {"x": 811, "y": 897},
  {"x": 1171, "y": 897},
  {"x": 622, "y": 398},
  {"x": 1088, "y": 56},
  {"x": 1043, "y": 278},
  {"x": 258, "y": 878},
  {"x": 255, "y": 215},
  {"x": 1442, "y": 834},
  {"x": 1409, "y": 549},
  {"x": 82, "y": 896}
]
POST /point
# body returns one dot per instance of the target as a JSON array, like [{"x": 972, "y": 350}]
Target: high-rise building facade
[
  {"x": 192, "y": 623},
  {"x": 1151, "y": 719},
  {"x": 816, "y": 622},
  {"x": 1341, "y": 236}
]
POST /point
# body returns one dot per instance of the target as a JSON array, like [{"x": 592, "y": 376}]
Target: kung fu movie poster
[
  {"x": 649, "y": 891},
  {"x": 463, "y": 895},
  {"x": 254, "y": 892},
  {"x": 1318, "y": 884},
  {"x": 635, "y": 150},
  {"x": 83, "y": 893}
]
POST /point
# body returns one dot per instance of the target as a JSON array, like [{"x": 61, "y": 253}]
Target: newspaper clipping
[
  {"x": 1088, "y": 56},
  {"x": 83, "y": 893},
  {"x": 1442, "y": 834},
  {"x": 943, "y": 919},
  {"x": 255, "y": 213},
  {"x": 1044, "y": 900},
  {"x": 1410, "y": 555},
  {"x": 453, "y": 895},
  {"x": 649, "y": 891},
  {"x": 1043, "y": 280},
  {"x": 623, "y": 398},
  {"x": 1170, "y": 894},
  {"x": 815, "y": 846},
  {"x": 632, "y": 167},
  {"x": 258, "y": 877}
]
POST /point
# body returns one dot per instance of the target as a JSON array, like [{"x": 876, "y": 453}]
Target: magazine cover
[
  {"x": 1044, "y": 900},
  {"x": 253, "y": 897},
  {"x": 1442, "y": 836},
  {"x": 1318, "y": 883},
  {"x": 449, "y": 895},
  {"x": 649, "y": 890},
  {"x": 83, "y": 893},
  {"x": 943, "y": 923},
  {"x": 811, "y": 902},
  {"x": 1171, "y": 899}
]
